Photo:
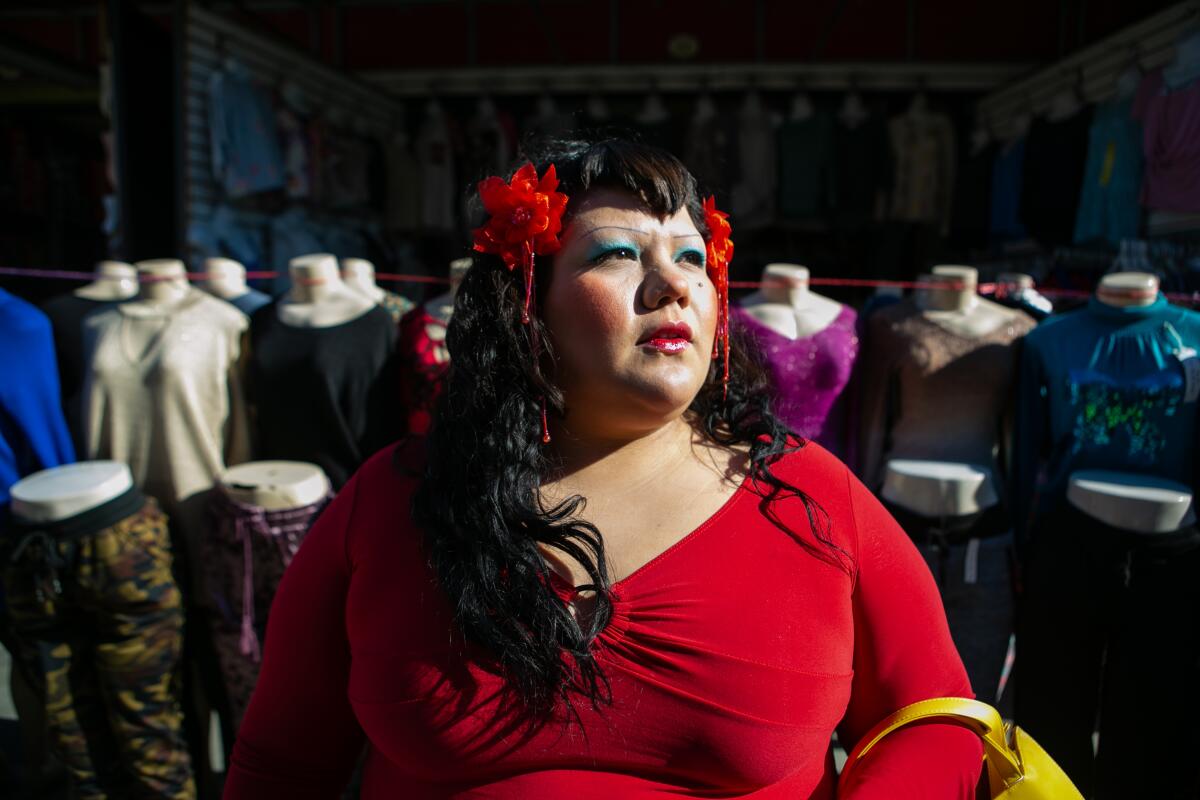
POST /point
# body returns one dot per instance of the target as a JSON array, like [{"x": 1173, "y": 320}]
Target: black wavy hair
[{"x": 479, "y": 501}]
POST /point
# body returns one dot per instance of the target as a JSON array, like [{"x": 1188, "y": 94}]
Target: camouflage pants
[{"x": 98, "y": 621}]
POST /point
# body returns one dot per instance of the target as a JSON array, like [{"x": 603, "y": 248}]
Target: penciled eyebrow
[{"x": 638, "y": 230}]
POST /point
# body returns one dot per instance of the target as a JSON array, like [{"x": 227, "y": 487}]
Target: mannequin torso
[
  {"x": 1132, "y": 502},
  {"x": 359, "y": 275},
  {"x": 62, "y": 492},
  {"x": 224, "y": 278},
  {"x": 939, "y": 489},
  {"x": 275, "y": 485},
  {"x": 116, "y": 280},
  {"x": 786, "y": 305},
  {"x": 318, "y": 297},
  {"x": 958, "y": 308},
  {"x": 163, "y": 286}
]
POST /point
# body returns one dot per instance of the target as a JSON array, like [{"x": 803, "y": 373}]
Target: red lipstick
[{"x": 674, "y": 337}]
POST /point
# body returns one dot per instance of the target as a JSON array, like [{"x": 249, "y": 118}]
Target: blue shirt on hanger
[
  {"x": 1108, "y": 205},
  {"x": 33, "y": 432},
  {"x": 246, "y": 156},
  {"x": 1103, "y": 388},
  {"x": 1007, "y": 179}
]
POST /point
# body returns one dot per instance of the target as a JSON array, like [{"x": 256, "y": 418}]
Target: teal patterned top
[{"x": 1104, "y": 388}]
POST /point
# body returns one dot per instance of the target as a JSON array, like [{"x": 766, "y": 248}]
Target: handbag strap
[{"x": 979, "y": 717}]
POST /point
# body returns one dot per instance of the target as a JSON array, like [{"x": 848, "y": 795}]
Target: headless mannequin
[
  {"x": 62, "y": 492},
  {"x": 318, "y": 297},
  {"x": 1129, "y": 501},
  {"x": 163, "y": 285},
  {"x": 943, "y": 489},
  {"x": 653, "y": 111},
  {"x": 115, "y": 281},
  {"x": 853, "y": 112},
  {"x": 275, "y": 485},
  {"x": 359, "y": 275},
  {"x": 952, "y": 302},
  {"x": 787, "y": 305},
  {"x": 224, "y": 278},
  {"x": 802, "y": 107}
]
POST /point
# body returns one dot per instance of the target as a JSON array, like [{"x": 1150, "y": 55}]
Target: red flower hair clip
[
  {"x": 525, "y": 220},
  {"x": 720, "y": 253}
]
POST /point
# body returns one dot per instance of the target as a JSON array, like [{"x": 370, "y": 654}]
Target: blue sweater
[
  {"x": 1102, "y": 388},
  {"x": 33, "y": 433}
]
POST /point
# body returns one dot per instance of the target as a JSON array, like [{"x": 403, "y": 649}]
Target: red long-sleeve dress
[{"x": 732, "y": 658}]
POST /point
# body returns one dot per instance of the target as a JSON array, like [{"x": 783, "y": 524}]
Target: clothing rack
[
  {"x": 618, "y": 79},
  {"x": 208, "y": 40},
  {"x": 1091, "y": 72}
]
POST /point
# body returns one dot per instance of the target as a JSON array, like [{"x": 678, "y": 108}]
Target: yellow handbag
[{"x": 1017, "y": 767}]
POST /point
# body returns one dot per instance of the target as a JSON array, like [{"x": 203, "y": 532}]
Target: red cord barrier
[{"x": 1192, "y": 298}]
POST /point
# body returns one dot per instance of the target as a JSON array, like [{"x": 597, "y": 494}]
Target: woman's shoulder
[{"x": 381, "y": 491}]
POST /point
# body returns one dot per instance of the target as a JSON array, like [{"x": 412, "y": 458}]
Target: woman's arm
[
  {"x": 903, "y": 653},
  {"x": 300, "y": 738}
]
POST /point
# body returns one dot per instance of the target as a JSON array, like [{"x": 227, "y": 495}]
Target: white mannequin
[
  {"x": 939, "y": 489},
  {"x": 653, "y": 111},
  {"x": 1133, "y": 502},
  {"x": 318, "y": 297},
  {"x": 359, "y": 275},
  {"x": 953, "y": 302},
  {"x": 275, "y": 485},
  {"x": 163, "y": 284},
  {"x": 706, "y": 109},
  {"x": 224, "y": 278},
  {"x": 853, "y": 112},
  {"x": 62, "y": 492},
  {"x": 115, "y": 281},
  {"x": 1140, "y": 503},
  {"x": 1015, "y": 281},
  {"x": 787, "y": 305},
  {"x": 802, "y": 107},
  {"x": 1127, "y": 289}
]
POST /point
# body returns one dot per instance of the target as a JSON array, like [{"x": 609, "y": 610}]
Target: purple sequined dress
[{"x": 810, "y": 375}]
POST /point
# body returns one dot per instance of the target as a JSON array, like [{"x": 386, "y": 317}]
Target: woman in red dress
[{"x": 609, "y": 571}]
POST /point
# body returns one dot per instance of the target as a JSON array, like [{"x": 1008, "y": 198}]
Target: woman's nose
[{"x": 665, "y": 283}]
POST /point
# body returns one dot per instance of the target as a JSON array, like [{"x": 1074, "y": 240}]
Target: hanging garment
[
  {"x": 1104, "y": 388},
  {"x": 931, "y": 393},
  {"x": 810, "y": 374},
  {"x": 862, "y": 172},
  {"x": 970, "y": 223},
  {"x": 423, "y": 362},
  {"x": 98, "y": 622},
  {"x": 1171, "y": 144},
  {"x": 403, "y": 187},
  {"x": 33, "y": 432},
  {"x": 294, "y": 142},
  {"x": 434, "y": 152},
  {"x": 923, "y": 152},
  {"x": 246, "y": 552},
  {"x": 754, "y": 192},
  {"x": 244, "y": 139},
  {"x": 67, "y": 313},
  {"x": 806, "y": 168},
  {"x": 325, "y": 396},
  {"x": 710, "y": 151},
  {"x": 1108, "y": 641},
  {"x": 164, "y": 393},
  {"x": 1055, "y": 156},
  {"x": 1008, "y": 174},
  {"x": 1108, "y": 203}
]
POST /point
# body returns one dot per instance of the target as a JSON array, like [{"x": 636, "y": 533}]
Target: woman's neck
[{"x": 592, "y": 459}]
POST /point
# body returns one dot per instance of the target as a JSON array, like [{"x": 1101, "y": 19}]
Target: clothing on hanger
[
  {"x": 1171, "y": 144},
  {"x": 1108, "y": 203}
]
